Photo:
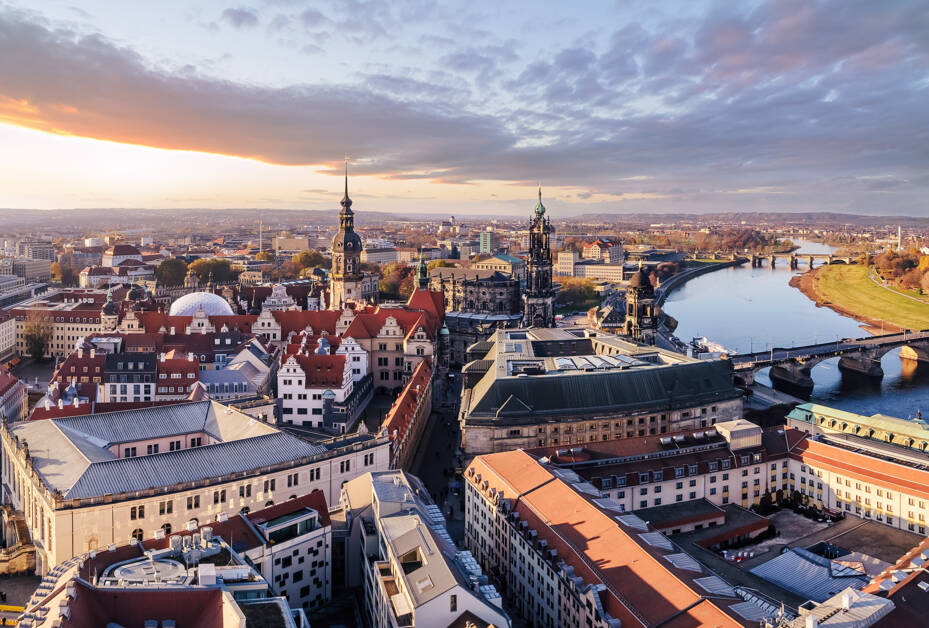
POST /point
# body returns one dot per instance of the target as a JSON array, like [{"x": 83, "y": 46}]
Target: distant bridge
[
  {"x": 861, "y": 355},
  {"x": 794, "y": 259}
]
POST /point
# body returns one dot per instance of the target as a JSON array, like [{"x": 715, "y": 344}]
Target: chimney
[
  {"x": 846, "y": 602},
  {"x": 811, "y": 621},
  {"x": 190, "y": 357},
  {"x": 93, "y": 352},
  {"x": 61, "y": 403},
  {"x": 172, "y": 330},
  {"x": 48, "y": 404},
  {"x": 80, "y": 352},
  {"x": 76, "y": 402},
  {"x": 162, "y": 357}
]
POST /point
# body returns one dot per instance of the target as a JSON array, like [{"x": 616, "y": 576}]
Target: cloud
[
  {"x": 240, "y": 18},
  {"x": 779, "y": 99}
]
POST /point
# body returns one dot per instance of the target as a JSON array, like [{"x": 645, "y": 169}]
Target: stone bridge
[
  {"x": 794, "y": 259},
  {"x": 861, "y": 356}
]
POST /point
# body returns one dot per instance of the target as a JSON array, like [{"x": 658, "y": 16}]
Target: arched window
[
  {"x": 167, "y": 528},
  {"x": 292, "y": 497},
  {"x": 269, "y": 503},
  {"x": 137, "y": 534},
  {"x": 245, "y": 510}
]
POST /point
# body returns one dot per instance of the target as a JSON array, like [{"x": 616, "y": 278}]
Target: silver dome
[{"x": 212, "y": 305}]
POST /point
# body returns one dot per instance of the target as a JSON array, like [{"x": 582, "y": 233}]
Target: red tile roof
[
  {"x": 315, "y": 500},
  {"x": 893, "y": 475},
  {"x": 641, "y": 589},
  {"x": 297, "y": 320},
  {"x": 401, "y": 413},
  {"x": 321, "y": 371},
  {"x": 7, "y": 381}
]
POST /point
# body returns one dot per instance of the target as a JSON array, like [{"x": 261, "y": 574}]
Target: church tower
[
  {"x": 641, "y": 311},
  {"x": 539, "y": 297},
  {"x": 345, "y": 280}
]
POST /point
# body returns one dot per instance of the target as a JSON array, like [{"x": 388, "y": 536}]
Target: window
[
  {"x": 292, "y": 479},
  {"x": 245, "y": 490},
  {"x": 453, "y": 604},
  {"x": 345, "y": 466},
  {"x": 130, "y": 452},
  {"x": 137, "y": 512},
  {"x": 167, "y": 528},
  {"x": 219, "y": 497},
  {"x": 152, "y": 449},
  {"x": 165, "y": 508},
  {"x": 270, "y": 485},
  {"x": 193, "y": 502},
  {"x": 137, "y": 534}
]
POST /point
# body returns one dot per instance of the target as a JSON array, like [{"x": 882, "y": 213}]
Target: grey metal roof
[
  {"x": 806, "y": 574},
  {"x": 188, "y": 465},
  {"x": 126, "y": 426},
  {"x": 581, "y": 392},
  {"x": 72, "y": 454}
]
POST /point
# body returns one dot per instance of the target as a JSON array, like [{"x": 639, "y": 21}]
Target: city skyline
[{"x": 628, "y": 107}]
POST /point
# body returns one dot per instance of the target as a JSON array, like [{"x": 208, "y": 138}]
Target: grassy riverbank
[{"x": 849, "y": 291}]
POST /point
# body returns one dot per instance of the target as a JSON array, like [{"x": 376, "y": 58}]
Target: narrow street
[{"x": 439, "y": 455}]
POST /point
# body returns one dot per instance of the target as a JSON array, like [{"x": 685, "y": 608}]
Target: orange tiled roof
[{"x": 641, "y": 589}]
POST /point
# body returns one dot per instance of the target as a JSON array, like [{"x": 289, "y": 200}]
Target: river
[{"x": 750, "y": 309}]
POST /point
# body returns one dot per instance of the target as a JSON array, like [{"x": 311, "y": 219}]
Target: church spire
[
  {"x": 540, "y": 208},
  {"x": 346, "y": 201}
]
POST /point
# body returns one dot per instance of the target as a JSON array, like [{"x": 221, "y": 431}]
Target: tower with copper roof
[{"x": 539, "y": 295}]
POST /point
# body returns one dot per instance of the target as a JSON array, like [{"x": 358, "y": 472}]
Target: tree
[
  {"x": 171, "y": 272},
  {"x": 310, "y": 259},
  {"x": 396, "y": 281},
  {"x": 215, "y": 268},
  {"x": 37, "y": 332},
  {"x": 576, "y": 292},
  {"x": 439, "y": 263},
  {"x": 265, "y": 256},
  {"x": 64, "y": 273}
]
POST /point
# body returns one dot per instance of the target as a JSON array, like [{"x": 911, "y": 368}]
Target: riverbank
[
  {"x": 673, "y": 282},
  {"x": 849, "y": 291}
]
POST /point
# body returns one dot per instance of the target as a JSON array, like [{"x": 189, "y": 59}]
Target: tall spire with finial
[
  {"x": 346, "y": 201},
  {"x": 540, "y": 208}
]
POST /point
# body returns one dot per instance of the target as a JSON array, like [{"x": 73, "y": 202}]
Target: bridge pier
[
  {"x": 793, "y": 262},
  {"x": 792, "y": 375},
  {"x": 866, "y": 363},
  {"x": 773, "y": 260},
  {"x": 917, "y": 353},
  {"x": 809, "y": 262}
]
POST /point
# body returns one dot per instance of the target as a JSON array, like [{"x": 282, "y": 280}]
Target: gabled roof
[
  {"x": 321, "y": 371},
  {"x": 297, "y": 320}
]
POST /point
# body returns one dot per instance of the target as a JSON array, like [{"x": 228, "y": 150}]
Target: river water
[{"x": 750, "y": 309}]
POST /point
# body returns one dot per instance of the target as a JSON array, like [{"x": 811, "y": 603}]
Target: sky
[{"x": 614, "y": 106}]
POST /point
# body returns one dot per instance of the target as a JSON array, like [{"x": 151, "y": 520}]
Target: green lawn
[{"x": 850, "y": 288}]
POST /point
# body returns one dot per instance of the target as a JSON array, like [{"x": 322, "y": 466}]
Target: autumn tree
[
  {"x": 440, "y": 263},
  {"x": 37, "y": 333},
  {"x": 396, "y": 281},
  {"x": 215, "y": 268},
  {"x": 265, "y": 256},
  {"x": 171, "y": 272}
]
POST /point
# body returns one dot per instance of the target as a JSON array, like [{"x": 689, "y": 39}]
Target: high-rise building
[{"x": 539, "y": 298}]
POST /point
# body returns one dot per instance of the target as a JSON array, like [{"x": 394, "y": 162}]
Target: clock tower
[{"x": 346, "y": 278}]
